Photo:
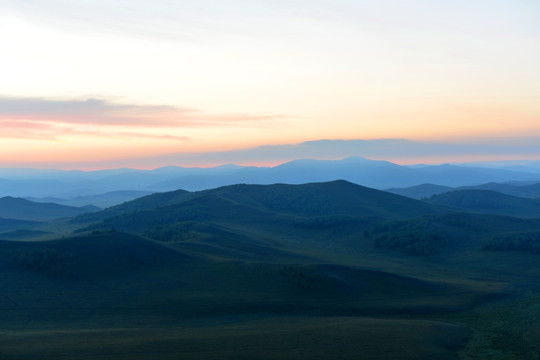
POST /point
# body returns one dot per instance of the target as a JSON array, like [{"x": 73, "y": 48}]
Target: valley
[{"x": 266, "y": 271}]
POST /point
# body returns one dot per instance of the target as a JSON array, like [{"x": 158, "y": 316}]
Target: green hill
[
  {"x": 248, "y": 220},
  {"x": 456, "y": 232},
  {"x": 489, "y": 202},
  {"x": 336, "y": 197},
  {"x": 125, "y": 272},
  {"x": 313, "y": 271},
  {"x": 143, "y": 203}
]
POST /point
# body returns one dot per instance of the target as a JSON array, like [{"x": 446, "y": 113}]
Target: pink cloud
[
  {"x": 44, "y": 131},
  {"x": 105, "y": 113}
]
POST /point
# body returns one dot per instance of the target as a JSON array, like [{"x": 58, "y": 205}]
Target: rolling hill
[
  {"x": 18, "y": 208},
  {"x": 307, "y": 271},
  {"x": 420, "y": 191},
  {"x": 99, "y": 200},
  {"x": 331, "y": 198},
  {"x": 16, "y": 223},
  {"x": 489, "y": 202},
  {"x": 447, "y": 233},
  {"x": 427, "y": 190},
  {"x": 246, "y": 219}
]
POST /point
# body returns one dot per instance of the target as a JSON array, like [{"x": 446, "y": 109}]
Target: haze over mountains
[
  {"x": 17, "y": 208},
  {"x": 274, "y": 254},
  {"x": 514, "y": 188},
  {"x": 70, "y": 187}
]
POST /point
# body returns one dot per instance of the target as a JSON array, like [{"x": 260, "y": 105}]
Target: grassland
[{"x": 237, "y": 274}]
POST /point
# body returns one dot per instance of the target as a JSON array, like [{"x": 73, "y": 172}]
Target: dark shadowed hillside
[
  {"x": 6, "y": 224},
  {"x": 257, "y": 213},
  {"x": 143, "y": 203},
  {"x": 337, "y": 197},
  {"x": 312, "y": 271},
  {"x": 447, "y": 233},
  {"x": 489, "y": 202}
]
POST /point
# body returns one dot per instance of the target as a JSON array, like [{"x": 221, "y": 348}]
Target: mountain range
[
  {"x": 70, "y": 186},
  {"x": 514, "y": 188}
]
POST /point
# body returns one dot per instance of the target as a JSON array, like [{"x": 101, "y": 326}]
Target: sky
[{"x": 102, "y": 84}]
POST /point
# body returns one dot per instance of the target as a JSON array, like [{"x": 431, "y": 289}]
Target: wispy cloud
[
  {"x": 87, "y": 111},
  {"x": 396, "y": 150},
  {"x": 37, "y": 117},
  {"x": 47, "y": 132}
]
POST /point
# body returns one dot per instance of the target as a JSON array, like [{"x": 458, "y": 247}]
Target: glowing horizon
[{"x": 103, "y": 86}]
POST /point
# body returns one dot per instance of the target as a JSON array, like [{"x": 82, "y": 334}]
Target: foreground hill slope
[{"x": 126, "y": 274}]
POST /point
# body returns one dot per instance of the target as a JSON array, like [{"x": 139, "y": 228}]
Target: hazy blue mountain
[
  {"x": 452, "y": 175},
  {"x": 420, "y": 191},
  {"x": 22, "y": 209},
  {"x": 370, "y": 173},
  {"x": 99, "y": 200},
  {"x": 31, "y": 187},
  {"x": 512, "y": 165},
  {"x": 514, "y": 189},
  {"x": 517, "y": 189}
]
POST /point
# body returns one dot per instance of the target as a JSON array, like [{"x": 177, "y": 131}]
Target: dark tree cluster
[{"x": 528, "y": 241}]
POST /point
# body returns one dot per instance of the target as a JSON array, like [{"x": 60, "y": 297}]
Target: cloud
[
  {"x": 44, "y": 131},
  {"x": 23, "y": 115},
  {"x": 395, "y": 150}
]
